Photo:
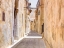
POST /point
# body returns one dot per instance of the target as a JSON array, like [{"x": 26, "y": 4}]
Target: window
[
  {"x": 22, "y": 19},
  {"x": 39, "y": 12},
  {"x": 3, "y": 16}
]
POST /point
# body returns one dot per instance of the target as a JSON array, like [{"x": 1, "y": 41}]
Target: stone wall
[
  {"x": 40, "y": 15},
  {"x": 32, "y": 19},
  {"x": 12, "y": 21},
  {"x": 54, "y": 23},
  {"x": 36, "y": 20},
  {"x": 27, "y": 24},
  {"x": 6, "y": 23},
  {"x": 33, "y": 26},
  {"x": 39, "y": 19},
  {"x": 20, "y": 19}
]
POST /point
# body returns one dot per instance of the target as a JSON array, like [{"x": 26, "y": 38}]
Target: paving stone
[{"x": 31, "y": 42}]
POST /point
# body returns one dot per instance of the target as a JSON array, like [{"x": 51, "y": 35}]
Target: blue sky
[{"x": 33, "y": 3}]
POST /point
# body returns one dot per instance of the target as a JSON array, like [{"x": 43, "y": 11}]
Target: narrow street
[
  {"x": 32, "y": 40},
  {"x": 31, "y": 23}
]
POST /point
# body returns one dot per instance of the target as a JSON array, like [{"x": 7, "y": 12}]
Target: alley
[
  {"x": 31, "y": 23},
  {"x": 32, "y": 40}
]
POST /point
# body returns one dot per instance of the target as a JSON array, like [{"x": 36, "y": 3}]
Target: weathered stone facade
[
  {"x": 19, "y": 18},
  {"x": 39, "y": 21},
  {"x": 27, "y": 24},
  {"x": 50, "y": 12},
  {"x": 36, "y": 20},
  {"x": 15, "y": 21},
  {"x": 32, "y": 23},
  {"x": 54, "y": 23},
  {"x": 6, "y": 23},
  {"x": 32, "y": 19},
  {"x": 13, "y": 15}
]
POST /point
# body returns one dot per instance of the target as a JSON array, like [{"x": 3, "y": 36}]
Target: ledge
[{"x": 16, "y": 43}]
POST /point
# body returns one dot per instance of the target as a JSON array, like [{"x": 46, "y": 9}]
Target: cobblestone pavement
[{"x": 33, "y": 40}]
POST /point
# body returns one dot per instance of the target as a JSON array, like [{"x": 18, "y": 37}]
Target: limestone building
[
  {"x": 6, "y": 22},
  {"x": 53, "y": 19},
  {"x": 13, "y": 15},
  {"x": 32, "y": 19},
  {"x": 39, "y": 21},
  {"x": 54, "y": 23}
]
